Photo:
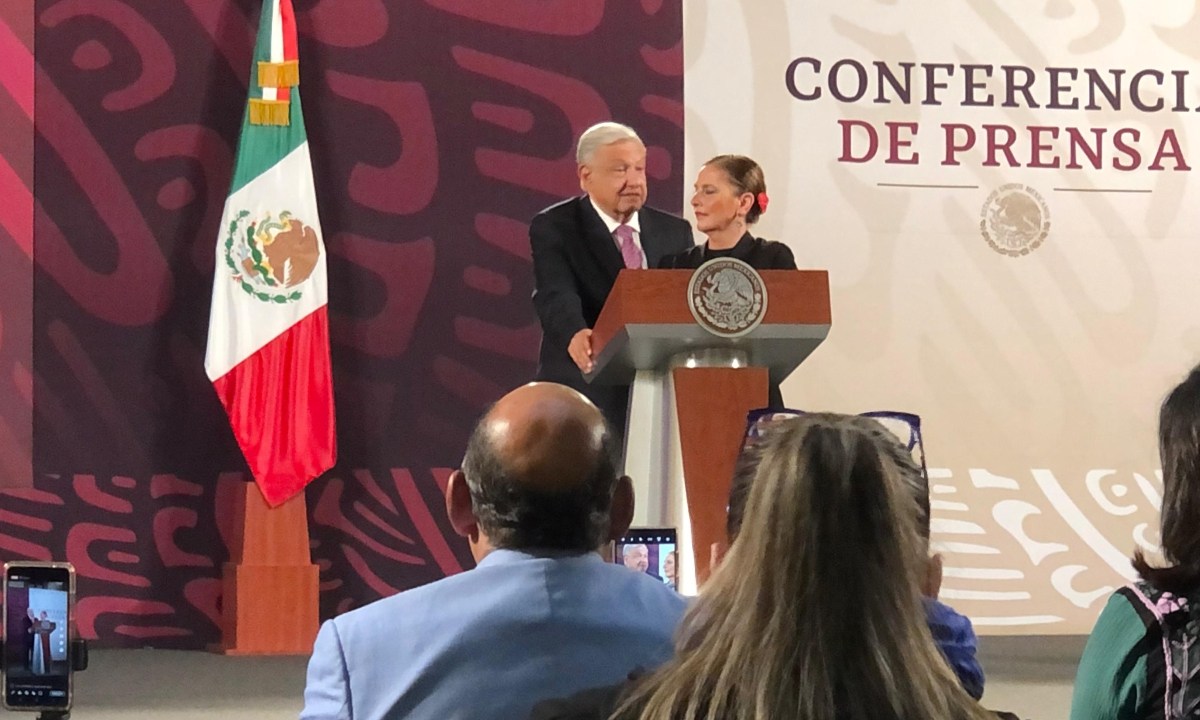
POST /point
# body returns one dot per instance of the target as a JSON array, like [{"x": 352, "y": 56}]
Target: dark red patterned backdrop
[
  {"x": 438, "y": 128},
  {"x": 16, "y": 246}
]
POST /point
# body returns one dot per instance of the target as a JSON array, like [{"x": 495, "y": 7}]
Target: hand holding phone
[{"x": 39, "y": 603}]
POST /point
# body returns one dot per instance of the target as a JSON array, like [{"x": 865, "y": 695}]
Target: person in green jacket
[{"x": 1143, "y": 657}]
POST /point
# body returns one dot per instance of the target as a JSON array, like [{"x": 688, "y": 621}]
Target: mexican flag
[{"x": 268, "y": 331}]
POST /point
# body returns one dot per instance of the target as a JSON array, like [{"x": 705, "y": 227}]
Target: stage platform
[{"x": 1031, "y": 676}]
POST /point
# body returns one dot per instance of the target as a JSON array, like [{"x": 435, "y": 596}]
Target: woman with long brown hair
[{"x": 815, "y": 613}]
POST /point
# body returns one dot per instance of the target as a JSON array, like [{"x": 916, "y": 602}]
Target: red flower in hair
[{"x": 762, "y": 202}]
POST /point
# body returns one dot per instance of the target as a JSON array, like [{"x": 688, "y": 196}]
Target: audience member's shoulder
[
  {"x": 396, "y": 606},
  {"x": 946, "y": 620},
  {"x": 651, "y": 592}
]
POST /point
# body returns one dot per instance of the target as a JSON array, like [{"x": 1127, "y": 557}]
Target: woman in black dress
[{"x": 730, "y": 195}]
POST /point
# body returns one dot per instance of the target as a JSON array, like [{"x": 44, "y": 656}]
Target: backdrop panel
[
  {"x": 438, "y": 129},
  {"x": 16, "y": 244},
  {"x": 1002, "y": 194}
]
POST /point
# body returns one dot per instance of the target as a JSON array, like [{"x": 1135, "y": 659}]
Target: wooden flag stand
[{"x": 270, "y": 585}]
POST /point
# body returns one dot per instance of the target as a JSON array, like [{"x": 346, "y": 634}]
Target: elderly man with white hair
[{"x": 579, "y": 245}]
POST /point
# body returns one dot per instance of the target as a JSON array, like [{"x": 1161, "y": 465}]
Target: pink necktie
[{"x": 629, "y": 249}]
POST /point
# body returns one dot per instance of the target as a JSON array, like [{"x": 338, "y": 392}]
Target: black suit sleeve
[
  {"x": 782, "y": 258},
  {"x": 555, "y": 295},
  {"x": 664, "y": 235},
  {"x": 683, "y": 240}
]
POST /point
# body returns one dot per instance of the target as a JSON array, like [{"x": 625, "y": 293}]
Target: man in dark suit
[
  {"x": 579, "y": 245},
  {"x": 28, "y": 636}
]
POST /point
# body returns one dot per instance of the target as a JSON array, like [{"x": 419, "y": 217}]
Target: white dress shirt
[{"x": 612, "y": 226}]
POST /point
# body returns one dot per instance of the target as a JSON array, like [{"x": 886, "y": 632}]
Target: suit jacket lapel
[
  {"x": 599, "y": 242},
  {"x": 654, "y": 243},
  {"x": 651, "y": 242}
]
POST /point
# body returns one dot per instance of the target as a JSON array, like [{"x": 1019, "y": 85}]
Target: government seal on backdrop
[
  {"x": 728, "y": 298},
  {"x": 271, "y": 255},
  {"x": 1014, "y": 220}
]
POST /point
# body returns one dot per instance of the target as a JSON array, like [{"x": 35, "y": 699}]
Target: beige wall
[{"x": 1038, "y": 376}]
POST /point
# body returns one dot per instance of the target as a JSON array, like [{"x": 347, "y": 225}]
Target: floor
[
  {"x": 1030, "y": 676},
  {"x": 177, "y": 685}
]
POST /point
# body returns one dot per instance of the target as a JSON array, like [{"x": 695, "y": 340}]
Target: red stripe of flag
[
  {"x": 280, "y": 406},
  {"x": 287, "y": 16}
]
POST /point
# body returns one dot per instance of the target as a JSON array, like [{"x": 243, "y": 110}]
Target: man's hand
[{"x": 580, "y": 349}]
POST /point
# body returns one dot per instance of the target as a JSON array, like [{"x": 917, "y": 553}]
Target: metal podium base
[{"x": 653, "y": 458}]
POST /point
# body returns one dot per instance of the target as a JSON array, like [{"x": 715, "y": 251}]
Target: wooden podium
[{"x": 692, "y": 390}]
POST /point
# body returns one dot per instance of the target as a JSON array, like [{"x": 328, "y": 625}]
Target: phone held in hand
[{"x": 39, "y": 617}]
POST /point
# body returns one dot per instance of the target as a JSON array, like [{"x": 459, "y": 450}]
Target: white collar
[{"x": 612, "y": 224}]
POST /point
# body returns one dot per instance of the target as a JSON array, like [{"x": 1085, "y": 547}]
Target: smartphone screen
[
  {"x": 651, "y": 551},
  {"x": 38, "y": 600}
]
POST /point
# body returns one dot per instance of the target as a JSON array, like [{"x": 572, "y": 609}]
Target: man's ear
[
  {"x": 932, "y": 584},
  {"x": 584, "y": 172},
  {"x": 458, "y": 505},
  {"x": 620, "y": 517}
]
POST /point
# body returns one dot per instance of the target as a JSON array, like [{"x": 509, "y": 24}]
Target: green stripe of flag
[{"x": 261, "y": 146}]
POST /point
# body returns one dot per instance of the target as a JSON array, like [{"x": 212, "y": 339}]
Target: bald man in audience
[{"x": 542, "y": 615}]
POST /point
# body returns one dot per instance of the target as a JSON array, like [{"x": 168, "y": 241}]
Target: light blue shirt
[{"x": 491, "y": 642}]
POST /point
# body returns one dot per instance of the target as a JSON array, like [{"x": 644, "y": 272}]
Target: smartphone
[
  {"x": 651, "y": 551},
  {"x": 39, "y": 609}
]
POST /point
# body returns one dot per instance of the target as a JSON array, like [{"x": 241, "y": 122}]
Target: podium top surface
[{"x": 647, "y": 320}]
